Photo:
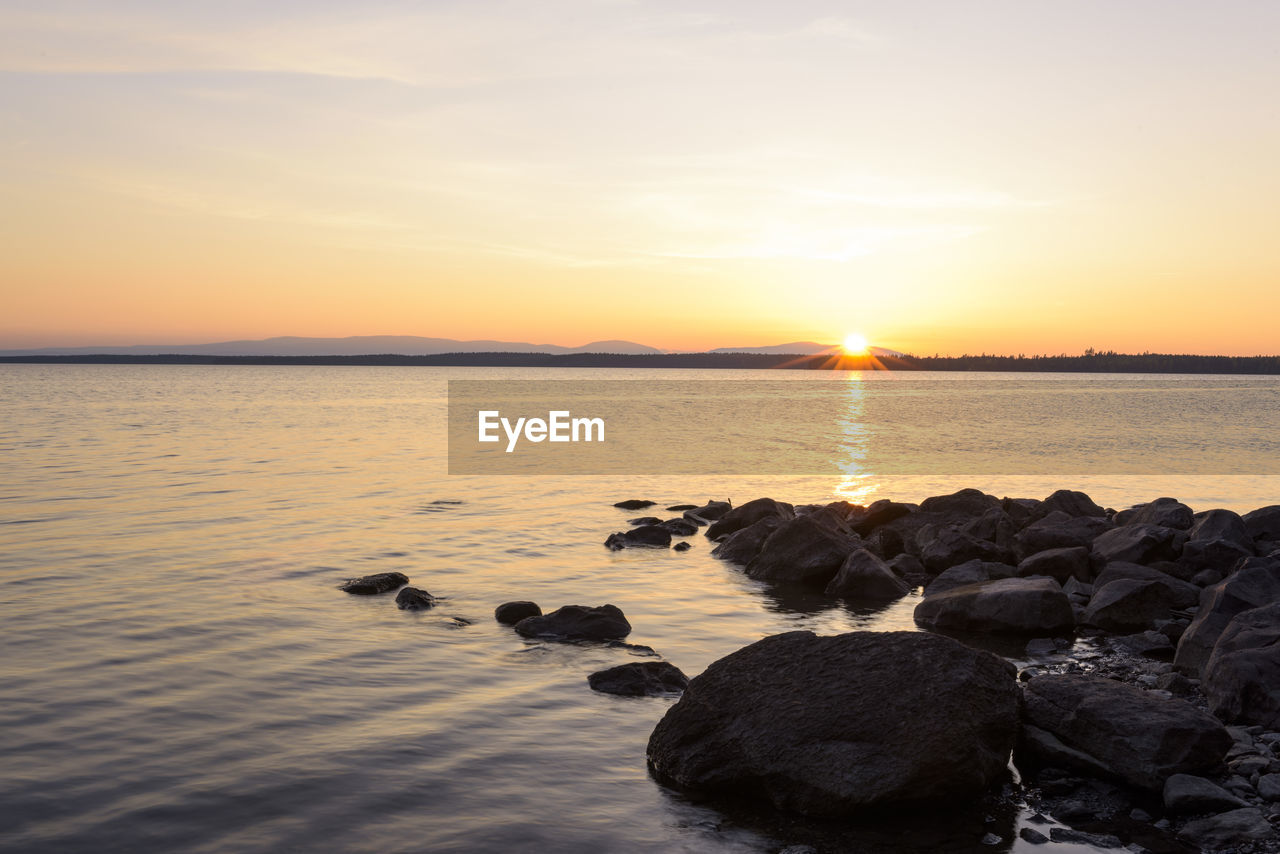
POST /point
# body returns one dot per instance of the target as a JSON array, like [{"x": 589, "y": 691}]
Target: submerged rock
[
  {"x": 639, "y": 679},
  {"x": 644, "y": 520},
  {"x": 577, "y": 622},
  {"x": 679, "y": 527},
  {"x": 653, "y": 536},
  {"x": 1099, "y": 725},
  {"x": 681, "y": 547},
  {"x": 709, "y": 512},
  {"x": 368, "y": 585},
  {"x": 831, "y": 725},
  {"x": 414, "y": 599},
  {"x": 634, "y": 504},
  {"x": 510, "y": 613},
  {"x": 1028, "y": 606}
]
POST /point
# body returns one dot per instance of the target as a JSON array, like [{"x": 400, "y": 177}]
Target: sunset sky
[{"x": 942, "y": 177}]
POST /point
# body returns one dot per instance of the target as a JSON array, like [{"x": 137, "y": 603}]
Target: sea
[{"x": 180, "y": 672}]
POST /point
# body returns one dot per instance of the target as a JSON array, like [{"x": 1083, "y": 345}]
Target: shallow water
[{"x": 180, "y": 673}]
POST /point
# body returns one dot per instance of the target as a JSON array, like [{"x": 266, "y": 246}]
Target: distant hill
[
  {"x": 803, "y": 348},
  {"x": 355, "y": 345}
]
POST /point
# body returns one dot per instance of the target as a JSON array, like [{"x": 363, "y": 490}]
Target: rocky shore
[{"x": 1140, "y": 708}]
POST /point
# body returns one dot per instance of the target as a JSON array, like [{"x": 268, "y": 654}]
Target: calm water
[{"x": 179, "y": 673}]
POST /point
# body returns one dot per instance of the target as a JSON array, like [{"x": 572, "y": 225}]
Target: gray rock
[
  {"x": 969, "y": 572},
  {"x": 1263, "y": 526},
  {"x": 709, "y": 512},
  {"x": 1060, "y": 564},
  {"x": 1174, "y": 683},
  {"x": 1227, "y": 829},
  {"x": 801, "y": 551},
  {"x": 414, "y": 599},
  {"x": 510, "y": 613},
  {"x": 1165, "y": 512},
  {"x": 1069, "y": 503},
  {"x": 1029, "y": 606},
  {"x": 1079, "y": 837},
  {"x": 1184, "y": 593},
  {"x": 1269, "y": 787},
  {"x": 1030, "y": 834},
  {"x": 1136, "y": 737},
  {"x": 1254, "y": 584},
  {"x": 965, "y": 503},
  {"x": 1128, "y": 605},
  {"x": 1187, "y": 794},
  {"x": 1241, "y": 680},
  {"x": 644, "y": 536},
  {"x": 1148, "y": 644},
  {"x": 865, "y": 576},
  {"x": 639, "y": 679},
  {"x": 1137, "y": 543},
  {"x": 680, "y": 508},
  {"x": 369, "y": 585},
  {"x": 941, "y": 547},
  {"x": 644, "y": 520},
  {"x": 829, "y": 726},
  {"x": 741, "y": 546},
  {"x": 879, "y": 513},
  {"x": 679, "y": 527},
  {"x": 748, "y": 514},
  {"x": 1059, "y": 531},
  {"x": 577, "y": 622},
  {"x": 909, "y": 569}
]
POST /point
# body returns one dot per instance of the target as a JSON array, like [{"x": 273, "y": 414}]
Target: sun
[{"x": 855, "y": 344}]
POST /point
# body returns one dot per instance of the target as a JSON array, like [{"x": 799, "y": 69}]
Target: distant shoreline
[{"x": 1146, "y": 363}]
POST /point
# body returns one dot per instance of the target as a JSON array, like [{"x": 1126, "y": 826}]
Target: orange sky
[{"x": 1001, "y": 177}]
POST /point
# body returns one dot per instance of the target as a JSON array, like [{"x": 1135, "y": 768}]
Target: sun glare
[{"x": 855, "y": 344}]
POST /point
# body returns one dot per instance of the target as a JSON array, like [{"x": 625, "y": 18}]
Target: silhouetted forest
[{"x": 1091, "y": 362}]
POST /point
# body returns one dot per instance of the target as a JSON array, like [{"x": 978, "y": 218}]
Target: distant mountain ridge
[
  {"x": 803, "y": 348},
  {"x": 355, "y": 345}
]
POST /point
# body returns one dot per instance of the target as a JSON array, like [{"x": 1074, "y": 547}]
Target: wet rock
[
  {"x": 1184, "y": 593},
  {"x": 1059, "y": 564},
  {"x": 1148, "y": 644},
  {"x": 801, "y": 551},
  {"x": 909, "y": 569},
  {"x": 679, "y": 527},
  {"x": 969, "y": 572},
  {"x": 368, "y": 585},
  {"x": 1263, "y": 526},
  {"x": 645, "y": 520},
  {"x": 1128, "y": 605},
  {"x": 966, "y": 503},
  {"x": 1227, "y": 829},
  {"x": 577, "y": 622},
  {"x": 1136, "y": 737},
  {"x": 941, "y": 547},
  {"x": 865, "y": 576},
  {"x": 1254, "y": 584},
  {"x": 1059, "y": 531},
  {"x": 741, "y": 546},
  {"x": 1030, "y": 834},
  {"x": 828, "y": 726},
  {"x": 1165, "y": 512},
  {"x": 680, "y": 508},
  {"x": 1137, "y": 543},
  {"x": 748, "y": 514},
  {"x": 1079, "y": 837},
  {"x": 681, "y": 547},
  {"x": 1206, "y": 578},
  {"x": 1029, "y": 606},
  {"x": 879, "y": 513},
  {"x": 645, "y": 536},
  {"x": 1068, "y": 502},
  {"x": 709, "y": 512},
  {"x": 1186, "y": 794},
  {"x": 887, "y": 543},
  {"x": 639, "y": 679},
  {"x": 634, "y": 504},
  {"x": 414, "y": 599},
  {"x": 510, "y": 613},
  {"x": 1241, "y": 680}
]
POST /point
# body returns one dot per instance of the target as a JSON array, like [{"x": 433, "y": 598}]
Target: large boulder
[
  {"x": 969, "y": 572},
  {"x": 370, "y": 585},
  {"x": 878, "y": 513},
  {"x": 865, "y": 576},
  {"x": 801, "y": 551},
  {"x": 1068, "y": 502},
  {"x": 1227, "y": 830},
  {"x": 1059, "y": 530},
  {"x": 1242, "y": 677},
  {"x": 1059, "y": 564},
  {"x": 1128, "y": 605},
  {"x": 748, "y": 514},
  {"x": 1184, "y": 594},
  {"x": 1254, "y": 584},
  {"x": 741, "y": 546},
  {"x": 1137, "y": 543},
  {"x": 1187, "y": 794},
  {"x": 1026, "y": 606},
  {"x": 1263, "y": 525},
  {"x": 941, "y": 547},
  {"x": 967, "y": 503},
  {"x": 639, "y": 679},
  {"x": 1217, "y": 540},
  {"x": 1165, "y": 512},
  {"x": 829, "y": 726},
  {"x": 1137, "y": 736},
  {"x": 577, "y": 622}
]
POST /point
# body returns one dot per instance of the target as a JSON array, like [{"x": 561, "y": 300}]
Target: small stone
[
  {"x": 369, "y": 585},
  {"x": 644, "y": 520},
  {"x": 1138, "y": 814},
  {"x": 510, "y": 613},
  {"x": 1175, "y": 683},
  {"x": 634, "y": 504},
  {"x": 681, "y": 547},
  {"x": 1186, "y": 794},
  {"x": 1067, "y": 834},
  {"x": 414, "y": 599},
  {"x": 640, "y": 679}
]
